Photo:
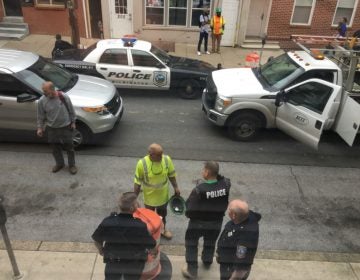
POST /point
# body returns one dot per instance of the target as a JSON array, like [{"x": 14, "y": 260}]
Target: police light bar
[{"x": 129, "y": 40}]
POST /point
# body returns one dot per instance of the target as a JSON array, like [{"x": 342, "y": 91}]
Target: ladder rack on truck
[{"x": 340, "y": 50}]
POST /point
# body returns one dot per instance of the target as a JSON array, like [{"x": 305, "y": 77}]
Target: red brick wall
[
  {"x": 279, "y": 27},
  {"x": 52, "y": 21},
  {"x": 1, "y": 12}
]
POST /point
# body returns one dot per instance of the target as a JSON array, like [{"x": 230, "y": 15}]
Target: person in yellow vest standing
[
  {"x": 217, "y": 25},
  {"x": 152, "y": 175}
]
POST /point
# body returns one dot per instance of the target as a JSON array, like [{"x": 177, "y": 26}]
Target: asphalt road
[
  {"x": 309, "y": 199},
  {"x": 181, "y": 127}
]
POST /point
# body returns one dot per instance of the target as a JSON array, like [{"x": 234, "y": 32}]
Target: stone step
[
  {"x": 14, "y": 24},
  {"x": 267, "y": 46},
  {"x": 13, "y": 19},
  {"x": 13, "y": 36},
  {"x": 13, "y": 30}
]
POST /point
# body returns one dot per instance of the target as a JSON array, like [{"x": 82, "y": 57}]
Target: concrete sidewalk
[
  {"x": 51, "y": 260},
  {"x": 229, "y": 57}
]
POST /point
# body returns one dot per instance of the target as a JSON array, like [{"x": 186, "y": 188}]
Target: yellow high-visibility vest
[
  {"x": 153, "y": 177},
  {"x": 217, "y": 24}
]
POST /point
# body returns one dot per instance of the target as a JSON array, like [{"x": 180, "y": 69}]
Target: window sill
[
  {"x": 172, "y": 28},
  {"x": 49, "y": 7}
]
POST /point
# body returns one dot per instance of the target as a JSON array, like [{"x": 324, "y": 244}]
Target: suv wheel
[
  {"x": 189, "y": 89},
  {"x": 244, "y": 127},
  {"x": 81, "y": 136}
]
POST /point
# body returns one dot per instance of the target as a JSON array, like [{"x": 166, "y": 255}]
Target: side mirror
[
  {"x": 279, "y": 98},
  {"x": 26, "y": 97}
]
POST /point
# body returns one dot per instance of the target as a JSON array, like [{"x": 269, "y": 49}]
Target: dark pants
[
  {"x": 210, "y": 231},
  {"x": 226, "y": 269},
  {"x": 203, "y": 36},
  {"x": 160, "y": 210},
  {"x": 59, "y": 139},
  {"x": 131, "y": 270}
]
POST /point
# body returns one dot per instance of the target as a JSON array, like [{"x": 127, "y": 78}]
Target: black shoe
[
  {"x": 207, "y": 265},
  {"x": 56, "y": 168}
]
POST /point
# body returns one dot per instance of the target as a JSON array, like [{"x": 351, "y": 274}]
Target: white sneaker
[
  {"x": 199, "y": 53},
  {"x": 207, "y": 52}
]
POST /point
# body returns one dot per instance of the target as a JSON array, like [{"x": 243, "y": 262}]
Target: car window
[
  {"x": 323, "y": 74},
  {"x": 10, "y": 86},
  {"x": 114, "y": 56},
  {"x": 280, "y": 71},
  {"x": 313, "y": 96},
  {"x": 43, "y": 70},
  {"x": 141, "y": 58}
]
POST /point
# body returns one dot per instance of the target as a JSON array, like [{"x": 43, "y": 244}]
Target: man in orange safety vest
[{"x": 217, "y": 25}]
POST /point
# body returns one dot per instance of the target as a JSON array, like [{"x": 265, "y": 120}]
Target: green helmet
[
  {"x": 218, "y": 10},
  {"x": 177, "y": 205}
]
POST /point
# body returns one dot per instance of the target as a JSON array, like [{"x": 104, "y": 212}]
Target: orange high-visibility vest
[{"x": 217, "y": 24}]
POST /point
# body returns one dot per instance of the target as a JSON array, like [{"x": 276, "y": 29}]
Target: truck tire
[
  {"x": 244, "y": 127},
  {"x": 189, "y": 89},
  {"x": 82, "y": 135}
]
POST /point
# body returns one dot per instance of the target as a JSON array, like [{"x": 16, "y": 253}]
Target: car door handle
[
  {"x": 103, "y": 68},
  {"x": 318, "y": 125},
  {"x": 137, "y": 71}
]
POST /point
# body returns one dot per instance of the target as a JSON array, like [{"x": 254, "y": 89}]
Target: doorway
[
  {"x": 12, "y": 8},
  {"x": 120, "y": 18},
  {"x": 96, "y": 22},
  {"x": 257, "y": 20},
  {"x": 230, "y": 11}
]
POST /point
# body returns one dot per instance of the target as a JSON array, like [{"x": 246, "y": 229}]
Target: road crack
[{"x": 301, "y": 192}]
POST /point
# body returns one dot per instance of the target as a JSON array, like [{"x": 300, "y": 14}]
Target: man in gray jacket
[{"x": 56, "y": 112}]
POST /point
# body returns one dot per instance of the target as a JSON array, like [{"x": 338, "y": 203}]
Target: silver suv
[{"x": 97, "y": 103}]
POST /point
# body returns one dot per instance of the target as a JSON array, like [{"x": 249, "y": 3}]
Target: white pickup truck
[{"x": 300, "y": 92}]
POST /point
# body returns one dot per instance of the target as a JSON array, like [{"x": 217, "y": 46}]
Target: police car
[{"x": 132, "y": 63}]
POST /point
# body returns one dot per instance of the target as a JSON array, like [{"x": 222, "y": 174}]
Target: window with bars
[
  {"x": 344, "y": 8},
  {"x": 302, "y": 12},
  {"x": 121, "y": 7},
  {"x": 185, "y": 13}
]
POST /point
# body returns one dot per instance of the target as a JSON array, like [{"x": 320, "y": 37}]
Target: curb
[{"x": 179, "y": 250}]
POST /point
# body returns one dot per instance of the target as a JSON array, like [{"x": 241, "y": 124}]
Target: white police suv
[
  {"x": 98, "y": 105},
  {"x": 132, "y": 63}
]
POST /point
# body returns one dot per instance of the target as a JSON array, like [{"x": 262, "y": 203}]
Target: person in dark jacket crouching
[
  {"x": 205, "y": 208},
  {"x": 238, "y": 242},
  {"x": 123, "y": 241}
]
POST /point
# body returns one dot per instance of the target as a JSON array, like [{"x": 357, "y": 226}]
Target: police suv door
[
  {"x": 114, "y": 66},
  {"x": 148, "y": 71},
  {"x": 15, "y": 115},
  {"x": 303, "y": 109}
]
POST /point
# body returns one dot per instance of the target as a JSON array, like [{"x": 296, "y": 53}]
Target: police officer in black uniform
[
  {"x": 205, "y": 207},
  {"x": 123, "y": 241},
  {"x": 238, "y": 242}
]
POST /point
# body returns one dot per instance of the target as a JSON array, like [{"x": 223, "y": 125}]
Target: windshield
[
  {"x": 280, "y": 71},
  {"x": 159, "y": 53},
  {"x": 42, "y": 71}
]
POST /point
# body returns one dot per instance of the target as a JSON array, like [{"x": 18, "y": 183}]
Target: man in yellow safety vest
[
  {"x": 152, "y": 175},
  {"x": 217, "y": 25}
]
